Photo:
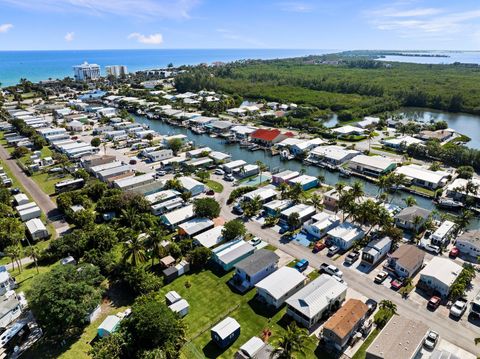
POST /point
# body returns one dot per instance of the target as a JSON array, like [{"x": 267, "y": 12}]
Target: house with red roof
[{"x": 269, "y": 137}]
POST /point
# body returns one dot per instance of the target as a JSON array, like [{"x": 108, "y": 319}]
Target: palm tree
[
  {"x": 369, "y": 137},
  {"x": 388, "y": 305},
  {"x": 134, "y": 250},
  {"x": 316, "y": 201},
  {"x": 321, "y": 179},
  {"x": 262, "y": 167},
  {"x": 15, "y": 253},
  {"x": 154, "y": 244},
  {"x": 463, "y": 220},
  {"x": 291, "y": 342},
  {"x": 34, "y": 253},
  {"x": 283, "y": 188},
  {"x": 410, "y": 201}
]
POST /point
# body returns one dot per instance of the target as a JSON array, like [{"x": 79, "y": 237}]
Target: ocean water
[
  {"x": 42, "y": 65},
  {"x": 466, "y": 57}
]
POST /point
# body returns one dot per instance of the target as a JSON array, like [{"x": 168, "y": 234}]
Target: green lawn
[
  {"x": 423, "y": 190},
  {"x": 27, "y": 276},
  {"x": 211, "y": 300},
  {"x": 216, "y": 186},
  {"x": 47, "y": 181}
]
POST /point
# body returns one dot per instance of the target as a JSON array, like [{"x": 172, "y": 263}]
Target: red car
[
  {"x": 319, "y": 246},
  {"x": 454, "y": 252},
  {"x": 434, "y": 302},
  {"x": 396, "y": 284}
]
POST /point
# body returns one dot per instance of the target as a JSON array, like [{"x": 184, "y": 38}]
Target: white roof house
[
  {"x": 368, "y": 121},
  {"x": 219, "y": 156},
  {"x": 210, "y": 238},
  {"x": 178, "y": 216},
  {"x": 332, "y": 154},
  {"x": 192, "y": 185},
  {"x": 402, "y": 141},
  {"x": 264, "y": 193},
  {"x": 36, "y": 228},
  {"x": 345, "y": 235},
  {"x": 317, "y": 297},
  {"x": 304, "y": 211},
  {"x": 321, "y": 223},
  {"x": 230, "y": 166},
  {"x": 198, "y": 151},
  {"x": 424, "y": 177},
  {"x": 348, "y": 130},
  {"x": 195, "y": 225},
  {"x": 439, "y": 274},
  {"x": 134, "y": 181},
  {"x": 457, "y": 187},
  {"x": 162, "y": 196},
  {"x": 281, "y": 282},
  {"x": 372, "y": 165}
]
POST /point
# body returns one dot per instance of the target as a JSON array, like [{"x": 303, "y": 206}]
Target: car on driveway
[
  {"x": 301, "y": 265},
  {"x": 380, "y": 277},
  {"x": 229, "y": 178},
  {"x": 396, "y": 283},
  {"x": 372, "y": 305},
  {"x": 352, "y": 257},
  {"x": 434, "y": 303},
  {"x": 161, "y": 173},
  {"x": 458, "y": 308},
  {"x": 432, "y": 248},
  {"x": 318, "y": 246},
  {"x": 454, "y": 252},
  {"x": 255, "y": 241},
  {"x": 237, "y": 209},
  {"x": 431, "y": 340},
  {"x": 219, "y": 172},
  {"x": 333, "y": 250}
]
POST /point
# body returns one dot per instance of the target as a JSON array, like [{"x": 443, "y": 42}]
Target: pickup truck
[
  {"x": 330, "y": 269},
  {"x": 352, "y": 257},
  {"x": 458, "y": 308}
]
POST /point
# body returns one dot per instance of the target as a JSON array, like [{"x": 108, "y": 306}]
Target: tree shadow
[
  {"x": 262, "y": 309},
  {"x": 212, "y": 350}
]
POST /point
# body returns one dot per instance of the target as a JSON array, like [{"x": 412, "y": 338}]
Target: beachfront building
[
  {"x": 423, "y": 177},
  {"x": 335, "y": 155},
  {"x": 116, "y": 70},
  {"x": 372, "y": 166},
  {"x": 86, "y": 72}
]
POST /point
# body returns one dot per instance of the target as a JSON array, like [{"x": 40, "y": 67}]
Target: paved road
[
  {"x": 461, "y": 333},
  {"x": 43, "y": 200}
]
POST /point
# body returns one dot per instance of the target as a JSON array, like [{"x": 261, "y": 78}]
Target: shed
[
  {"x": 172, "y": 297},
  {"x": 180, "y": 307},
  {"x": 170, "y": 274},
  {"x": 167, "y": 261},
  {"x": 20, "y": 199},
  {"x": 225, "y": 332},
  {"x": 108, "y": 326},
  {"x": 36, "y": 229}
]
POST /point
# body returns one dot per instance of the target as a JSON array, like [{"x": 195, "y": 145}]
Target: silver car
[{"x": 431, "y": 340}]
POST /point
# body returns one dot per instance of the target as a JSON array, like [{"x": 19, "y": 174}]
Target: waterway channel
[{"x": 275, "y": 163}]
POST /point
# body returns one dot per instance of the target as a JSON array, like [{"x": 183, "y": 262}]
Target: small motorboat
[{"x": 449, "y": 203}]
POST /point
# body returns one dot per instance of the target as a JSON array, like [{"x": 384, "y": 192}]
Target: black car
[
  {"x": 14, "y": 190},
  {"x": 237, "y": 209},
  {"x": 372, "y": 305}
]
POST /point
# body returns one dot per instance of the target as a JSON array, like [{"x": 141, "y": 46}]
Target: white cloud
[
  {"x": 137, "y": 8},
  {"x": 295, "y": 6},
  {"x": 230, "y": 35},
  {"x": 424, "y": 22},
  {"x": 69, "y": 36},
  {"x": 153, "y": 39},
  {"x": 5, "y": 28}
]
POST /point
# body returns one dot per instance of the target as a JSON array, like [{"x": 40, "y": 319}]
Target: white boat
[{"x": 449, "y": 203}]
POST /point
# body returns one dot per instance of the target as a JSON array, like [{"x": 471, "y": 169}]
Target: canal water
[{"x": 275, "y": 163}]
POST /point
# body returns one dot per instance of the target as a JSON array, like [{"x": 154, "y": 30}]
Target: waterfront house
[
  {"x": 401, "y": 142},
  {"x": 302, "y": 148},
  {"x": 376, "y": 250},
  {"x": 219, "y": 157},
  {"x": 269, "y": 137},
  {"x": 368, "y": 122},
  {"x": 321, "y": 223},
  {"x": 345, "y": 235},
  {"x": 401, "y": 338},
  {"x": 469, "y": 243},
  {"x": 242, "y": 132},
  {"x": 316, "y": 300},
  {"x": 226, "y": 332},
  {"x": 233, "y": 165},
  {"x": 335, "y": 155},
  {"x": 423, "y": 177},
  {"x": 344, "y": 324},
  {"x": 331, "y": 198},
  {"x": 457, "y": 189},
  {"x": 230, "y": 253},
  {"x": 306, "y": 182},
  {"x": 439, "y": 275},
  {"x": 407, "y": 218},
  {"x": 440, "y": 135},
  {"x": 372, "y": 166},
  {"x": 254, "y": 268},
  {"x": 247, "y": 171},
  {"x": 284, "y": 176},
  {"x": 220, "y": 127},
  {"x": 280, "y": 285},
  {"x": 406, "y": 261},
  {"x": 348, "y": 130}
]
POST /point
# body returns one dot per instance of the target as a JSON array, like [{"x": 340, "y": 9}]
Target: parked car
[
  {"x": 219, "y": 172},
  {"x": 301, "y": 265},
  {"x": 434, "y": 303},
  {"x": 15, "y": 190},
  {"x": 318, "y": 246},
  {"x": 380, "y": 277},
  {"x": 458, "y": 308},
  {"x": 229, "y": 177},
  {"x": 133, "y": 161},
  {"x": 237, "y": 209},
  {"x": 333, "y": 250},
  {"x": 210, "y": 192},
  {"x": 338, "y": 279},
  {"x": 454, "y": 252},
  {"x": 161, "y": 173},
  {"x": 372, "y": 305},
  {"x": 352, "y": 257},
  {"x": 330, "y": 269},
  {"x": 431, "y": 340},
  {"x": 396, "y": 283},
  {"x": 255, "y": 241},
  {"x": 283, "y": 230},
  {"x": 432, "y": 248}
]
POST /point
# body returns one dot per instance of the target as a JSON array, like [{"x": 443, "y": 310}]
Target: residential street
[
  {"x": 43, "y": 200},
  {"x": 459, "y": 333}
]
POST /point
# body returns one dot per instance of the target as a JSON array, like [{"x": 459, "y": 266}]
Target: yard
[
  {"x": 47, "y": 181},
  {"x": 211, "y": 300},
  {"x": 216, "y": 186}
]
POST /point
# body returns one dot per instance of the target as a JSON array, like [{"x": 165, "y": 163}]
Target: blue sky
[{"x": 320, "y": 24}]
